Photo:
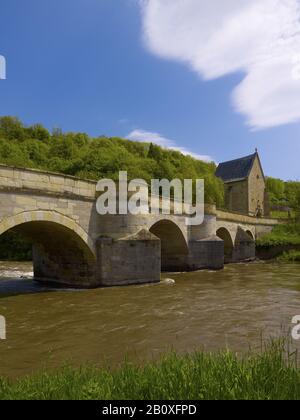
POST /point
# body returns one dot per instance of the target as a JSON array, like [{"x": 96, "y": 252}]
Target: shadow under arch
[
  {"x": 63, "y": 252},
  {"x": 174, "y": 248},
  {"x": 250, "y": 234},
  {"x": 224, "y": 234}
]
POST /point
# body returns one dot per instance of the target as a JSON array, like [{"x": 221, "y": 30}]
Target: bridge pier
[
  {"x": 206, "y": 249},
  {"x": 244, "y": 247},
  {"x": 134, "y": 259},
  {"x": 206, "y": 253}
]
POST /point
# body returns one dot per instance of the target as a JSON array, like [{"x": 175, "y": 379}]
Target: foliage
[
  {"x": 14, "y": 247},
  {"x": 285, "y": 194},
  {"x": 285, "y": 234},
  {"x": 277, "y": 214},
  {"x": 289, "y": 257},
  {"x": 270, "y": 375},
  {"x": 94, "y": 158}
]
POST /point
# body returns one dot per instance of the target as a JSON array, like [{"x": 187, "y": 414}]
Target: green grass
[
  {"x": 266, "y": 376},
  {"x": 291, "y": 256},
  {"x": 286, "y": 234},
  {"x": 282, "y": 214}
]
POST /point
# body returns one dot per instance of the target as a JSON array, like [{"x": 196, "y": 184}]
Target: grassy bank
[
  {"x": 196, "y": 376},
  {"x": 286, "y": 234}
]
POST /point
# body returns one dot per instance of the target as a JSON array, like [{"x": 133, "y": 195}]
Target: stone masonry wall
[
  {"x": 256, "y": 186},
  {"x": 236, "y": 196}
]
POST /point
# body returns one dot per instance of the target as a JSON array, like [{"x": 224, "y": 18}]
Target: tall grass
[{"x": 269, "y": 375}]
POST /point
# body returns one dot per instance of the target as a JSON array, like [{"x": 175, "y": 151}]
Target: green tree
[
  {"x": 11, "y": 128},
  {"x": 154, "y": 152}
]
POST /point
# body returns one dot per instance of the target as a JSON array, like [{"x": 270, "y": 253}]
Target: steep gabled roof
[{"x": 236, "y": 170}]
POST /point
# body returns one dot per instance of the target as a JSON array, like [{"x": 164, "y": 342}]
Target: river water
[{"x": 234, "y": 308}]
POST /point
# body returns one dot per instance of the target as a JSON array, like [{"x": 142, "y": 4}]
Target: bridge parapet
[
  {"x": 245, "y": 219},
  {"x": 45, "y": 183},
  {"x": 52, "y": 183}
]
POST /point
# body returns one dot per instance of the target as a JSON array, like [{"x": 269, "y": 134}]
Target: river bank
[
  {"x": 270, "y": 252},
  {"x": 269, "y": 375},
  {"x": 283, "y": 244}
]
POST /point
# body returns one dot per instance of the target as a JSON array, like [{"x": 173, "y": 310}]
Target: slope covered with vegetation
[
  {"x": 103, "y": 157},
  {"x": 282, "y": 235},
  {"x": 94, "y": 158},
  {"x": 284, "y": 194}
]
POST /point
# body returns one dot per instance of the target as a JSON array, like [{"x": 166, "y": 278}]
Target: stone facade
[
  {"x": 236, "y": 196},
  {"x": 74, "y": 245},
  {"x": 257, "y": 190}
]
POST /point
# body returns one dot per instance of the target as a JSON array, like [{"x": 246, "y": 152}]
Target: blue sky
[{"x": 109, "y": 67}]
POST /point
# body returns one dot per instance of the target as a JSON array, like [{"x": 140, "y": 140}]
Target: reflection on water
[{"x": 211, "y": 310}]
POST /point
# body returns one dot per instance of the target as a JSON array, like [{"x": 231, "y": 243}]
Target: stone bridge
[
  {"x": 239, "y": 233},
  {"x": 74, "y": 245}
]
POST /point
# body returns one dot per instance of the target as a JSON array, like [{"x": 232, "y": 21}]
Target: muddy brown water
[{"x": 233, "y": 308}]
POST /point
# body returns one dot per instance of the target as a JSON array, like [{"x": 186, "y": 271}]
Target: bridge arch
[
  {"x": 224, "y": 234},
  {"x": 62, "y": 251},
  {"x": 174, "y": 247},
  {"x": 250, "y": 234}
]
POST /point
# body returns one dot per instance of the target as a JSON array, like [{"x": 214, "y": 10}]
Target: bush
[{"x": 286, "y": 234}]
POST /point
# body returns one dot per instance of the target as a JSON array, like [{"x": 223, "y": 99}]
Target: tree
[
  {"x": 11, "y": 128},
  {"x": 154, "y": 152},
  {"x": 38, "y": 132}
]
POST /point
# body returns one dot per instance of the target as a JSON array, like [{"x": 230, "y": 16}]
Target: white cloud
[
  {"x": 156, "y": 138},
  {"x": 260, "y": 38},
  {"x": 150, "y": 137}
]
